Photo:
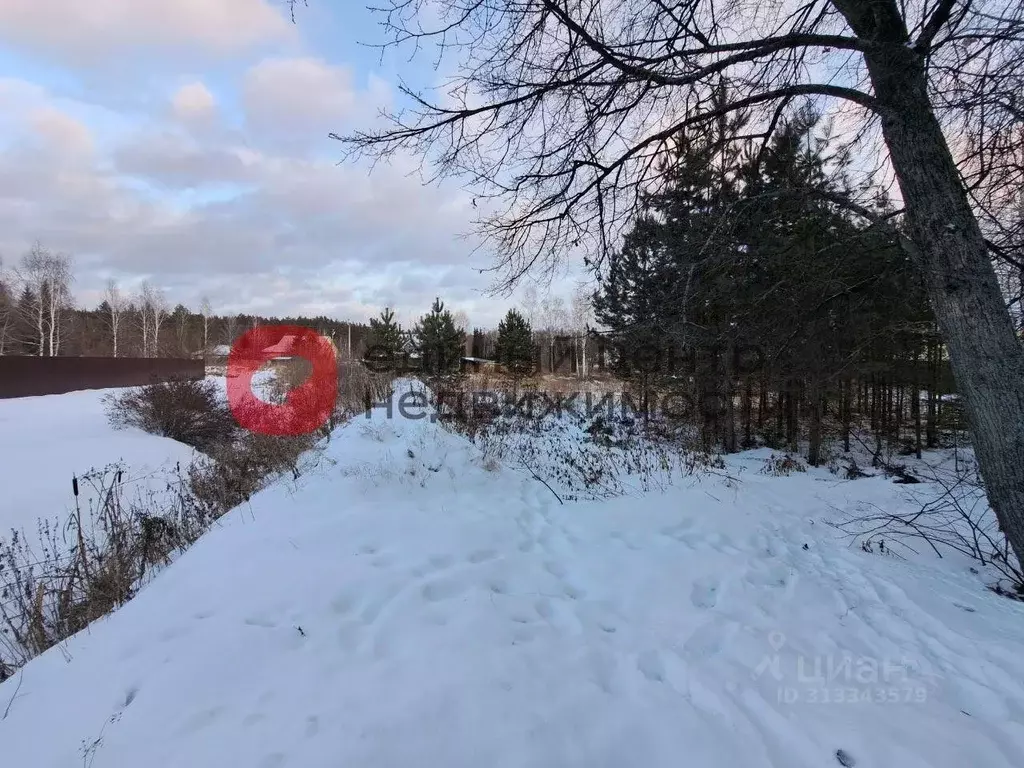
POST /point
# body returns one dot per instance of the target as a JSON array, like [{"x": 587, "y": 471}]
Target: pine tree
[
  {"x": 439, "y": 342},
  {"x": 386, "y": 340},
  {"x": 753, "y": 251},
  {"x": 514, "y": 349}
]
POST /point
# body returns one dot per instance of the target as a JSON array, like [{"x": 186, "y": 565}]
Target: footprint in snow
[
  {"x": 573, "y": 593},
  {"x": 201, "y": 720},
  {"x": 678, "y": 531},
  {"x": 437, "y": 591},
  {"x": 481, "y": 556},
  {"x": 544, "y": 609},
  {"x": 343, "y": 603},
  {"x": 130, "y": 695},
  {"x": 312, "y": 726},
  {"x": 440, "y": 562},
  {"x": 705, "y": 593},
  {"x": 274, "y": 760},
  {"x": 709, "y": 640},
  {"x": 555, "y": 569},
  {"x": 253, "y": 719},
  {"x": 651, "y": 666}
]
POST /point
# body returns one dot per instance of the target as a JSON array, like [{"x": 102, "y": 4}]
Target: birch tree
[
  {"x": 152, "y": 313},
  {"x": 46, "y": 278},
  {"x": 206, "y": 311},
  {"x": 116, "y": 303},
  {"x": 158, "y": 313},
  {"x": 582, "y": 313},
  {"x": 6, "y": 310}
]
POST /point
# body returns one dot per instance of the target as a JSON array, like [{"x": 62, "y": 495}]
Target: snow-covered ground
[
  {"x": 45, "y": 441},
  {"x": 411, "y": 604}
]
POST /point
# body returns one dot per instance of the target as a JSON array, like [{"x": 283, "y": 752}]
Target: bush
[
  {"x": 782, "y": 466},
  {"x": 235, "y": 471},
  {"x": 186, "y": 410},
  {"x": 359, "y": 389}
]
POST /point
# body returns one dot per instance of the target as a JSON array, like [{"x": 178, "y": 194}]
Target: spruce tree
[
  {"x": 514, "y": 349},
  {"x": 439, "y": 342},
  {"x": 386, "y": 340},
  {"x": 754, "y": 252}
]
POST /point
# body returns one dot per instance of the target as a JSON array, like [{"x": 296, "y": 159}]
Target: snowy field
[
  {"x": 411, "y": 604},
  {"x": 45, "y": 441}
]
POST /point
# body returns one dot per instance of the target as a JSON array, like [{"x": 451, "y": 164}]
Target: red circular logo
[{"x": 306, "y": 407}]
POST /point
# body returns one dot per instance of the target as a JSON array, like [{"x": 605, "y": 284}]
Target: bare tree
[
  {"x": 6, "y": 310},
  {"x": 143, "y": 302},
  {"x": 559, "y": 112},
  {"x": 462, "y": 323},
  {"x": 47, "y": 279},
  {"x": 231, "y": 328},
  {"x": 530, "y": 304},
  {"x": 158, "y": 313},
  {"x": 582, "y": 316},
  {"x": 205, "y": 310},
  {"x": 552, "y": 321},
  {"x": 116, "y": 303},
  {"x": 58, "y": 300},
  {"x": 152, "y": 313}
]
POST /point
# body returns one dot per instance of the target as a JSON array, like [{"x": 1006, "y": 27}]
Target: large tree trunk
[{"x": 986, "y": 357}]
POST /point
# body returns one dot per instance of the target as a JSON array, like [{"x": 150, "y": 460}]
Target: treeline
[
  {"x": 761, "y": 248},
  {"x": 38, "y": 316}
]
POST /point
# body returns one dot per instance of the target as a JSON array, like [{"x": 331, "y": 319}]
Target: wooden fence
[{"x": 30, "y": 376}]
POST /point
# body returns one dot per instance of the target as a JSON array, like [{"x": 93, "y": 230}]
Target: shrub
[
  {"x": 235, "y": 471},
  {"x": 186, "y": 410},
  {"x": 782, "y": 466},
  {"x": 359, "y": 389}
]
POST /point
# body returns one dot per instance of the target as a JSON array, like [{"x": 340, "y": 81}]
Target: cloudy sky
[{"x": 185, "y": 141}]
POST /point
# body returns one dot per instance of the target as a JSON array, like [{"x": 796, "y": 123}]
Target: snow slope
[
  {"x": 404, "y": 606},
  {"x": 46, "y": 440}
]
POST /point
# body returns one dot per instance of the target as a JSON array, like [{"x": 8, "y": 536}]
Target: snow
[
  {"x": 409, "y": 603},
  {"x": 46, "y": 440}
]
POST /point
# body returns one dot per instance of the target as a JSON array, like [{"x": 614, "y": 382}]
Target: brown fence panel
[{"x": 29, "y": 376}]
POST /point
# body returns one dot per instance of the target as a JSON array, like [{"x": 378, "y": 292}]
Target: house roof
[{"x": 283, "y": 348}]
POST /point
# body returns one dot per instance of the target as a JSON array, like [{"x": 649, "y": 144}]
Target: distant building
[{"x": 283, "y": 350}]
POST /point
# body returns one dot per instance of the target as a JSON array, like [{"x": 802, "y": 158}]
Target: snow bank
[
  {"x": 406, "y": 606},
  {"x": 44, "y": 441}
]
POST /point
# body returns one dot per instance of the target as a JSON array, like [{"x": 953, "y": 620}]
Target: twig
[
  {"x": 21, "y": 678},
  {"x": 541, "y": 479}
]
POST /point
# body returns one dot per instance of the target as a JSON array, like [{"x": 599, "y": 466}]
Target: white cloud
[
  {"x": 193, "y": 103},
  {"x": 231, "y": 215},
  {"x": 94, "y": 29},
  {"x": 298, "y": 99},
  {"x": 63, "y": 134}
]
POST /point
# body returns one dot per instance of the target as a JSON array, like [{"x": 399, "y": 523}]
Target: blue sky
[{"x": 185, "y": 142}]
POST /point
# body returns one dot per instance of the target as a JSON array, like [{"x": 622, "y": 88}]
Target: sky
[{"x": 186, "y": 142}]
